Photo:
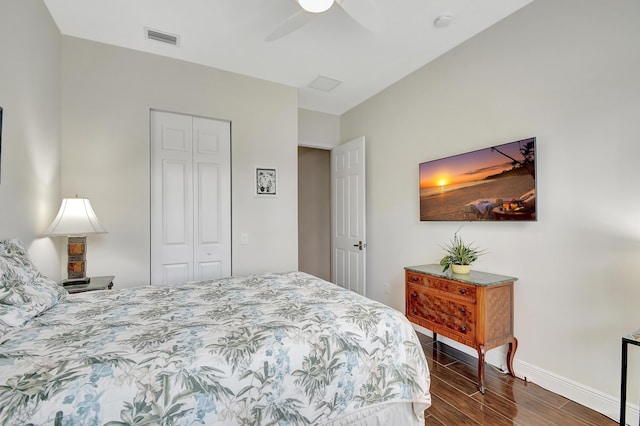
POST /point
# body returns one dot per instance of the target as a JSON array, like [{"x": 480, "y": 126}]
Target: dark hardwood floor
[{"x": 507, "y": 400}]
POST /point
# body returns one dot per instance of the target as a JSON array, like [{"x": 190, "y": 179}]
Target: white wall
[
  {"x": 318, "y": 129},
  {"x": 107, "y": 94},
  {"x": 567, "y": 73},
  {"x": 30, "y": 157}
]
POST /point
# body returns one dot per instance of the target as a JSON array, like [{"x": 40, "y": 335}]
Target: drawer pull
[
  {"x": 463, "y": 329},
  {"x": 414, "y": 279},
  {"x": 463, "y": 291},
  {"x": 415, "y": 311},
  {"x": 414, "y": 294},
  {"x": 463, "y": 310}
]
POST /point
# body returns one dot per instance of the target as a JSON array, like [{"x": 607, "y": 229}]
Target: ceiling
[{"x": 389, "y": 40}]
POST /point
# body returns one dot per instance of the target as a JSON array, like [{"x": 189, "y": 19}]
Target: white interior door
[
  {"x": 212, "y": 198},
  {"x": 190, "y": 198},
  {"x": 349, "y": 215},
  {"x": 171, "y": 198}
]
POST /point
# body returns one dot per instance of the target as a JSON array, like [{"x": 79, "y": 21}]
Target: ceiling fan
[{"x": 363, "y": 12}]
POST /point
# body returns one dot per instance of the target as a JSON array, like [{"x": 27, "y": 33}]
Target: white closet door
[
  {"x": 190, "y": 198},
  {"x": 212, "y": 192}
]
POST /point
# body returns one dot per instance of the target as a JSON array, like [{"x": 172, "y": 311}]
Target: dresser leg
[
  {"x": 481, "y": 369},
  {"x": 511, "y": 353}
]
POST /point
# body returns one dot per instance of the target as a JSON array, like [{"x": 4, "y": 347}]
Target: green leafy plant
[{"x": 459, "y": 253}]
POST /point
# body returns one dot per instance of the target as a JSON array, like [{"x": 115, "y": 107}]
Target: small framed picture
[{"x": 266, "y": 182}]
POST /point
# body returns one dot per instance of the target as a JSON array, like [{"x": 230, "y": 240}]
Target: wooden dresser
[{"x": 474, "y": 309}]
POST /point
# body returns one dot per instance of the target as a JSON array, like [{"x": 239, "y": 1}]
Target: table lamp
[{"x": 76, "y": 219}]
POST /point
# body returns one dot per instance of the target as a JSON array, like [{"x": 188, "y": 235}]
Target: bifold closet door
[{"x": 190, "y": 198}]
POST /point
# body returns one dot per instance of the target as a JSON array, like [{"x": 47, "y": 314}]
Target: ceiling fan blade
[
  {"x": 364, "y": 12},
  {"x": 292, "y": 23}
]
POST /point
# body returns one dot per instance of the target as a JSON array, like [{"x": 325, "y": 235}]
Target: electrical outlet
[{"x": 387, "y": 288}]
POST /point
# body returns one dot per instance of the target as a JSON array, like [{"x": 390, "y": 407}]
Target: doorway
[{"x": 314, "y": 211}]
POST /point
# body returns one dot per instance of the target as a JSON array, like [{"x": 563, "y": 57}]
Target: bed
[{"x": 270, "y": 349}]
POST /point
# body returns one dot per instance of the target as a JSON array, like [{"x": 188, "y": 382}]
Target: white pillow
[{"x": 24, "y": 291}]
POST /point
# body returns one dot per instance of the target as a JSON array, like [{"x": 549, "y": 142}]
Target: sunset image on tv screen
[{"x": 496, "y": 183}]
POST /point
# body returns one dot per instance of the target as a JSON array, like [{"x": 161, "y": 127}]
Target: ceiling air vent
[
  {"x": 325, "y": 84},
  {"x": 161, "y": 37}
]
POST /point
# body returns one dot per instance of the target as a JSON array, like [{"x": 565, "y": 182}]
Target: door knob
[{"x": 360, "y": 245}]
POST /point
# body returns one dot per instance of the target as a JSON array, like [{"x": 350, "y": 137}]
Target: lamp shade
[
  {"x": 315, "y": 6},
  {"x": 75, "y": 217}
]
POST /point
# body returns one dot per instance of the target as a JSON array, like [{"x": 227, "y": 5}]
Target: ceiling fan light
[{"x": 315, "y": 6}]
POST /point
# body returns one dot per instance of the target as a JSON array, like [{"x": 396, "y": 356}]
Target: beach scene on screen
[{"x": 495, "y": 183}]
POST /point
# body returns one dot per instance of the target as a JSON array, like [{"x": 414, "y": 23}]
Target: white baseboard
[{"x": 582, "y": 394}]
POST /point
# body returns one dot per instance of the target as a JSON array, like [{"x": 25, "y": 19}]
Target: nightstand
[
  {"x": 96, "y": 283},
  {"x": 633, "y": 339}
]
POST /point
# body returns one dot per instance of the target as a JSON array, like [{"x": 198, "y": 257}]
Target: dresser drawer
[
  {"x": 456, "y": 316},
  {"x": 466, "y": 291}
]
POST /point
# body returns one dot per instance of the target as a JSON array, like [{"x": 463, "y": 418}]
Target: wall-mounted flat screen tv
[{"x": 491, "y": 184}]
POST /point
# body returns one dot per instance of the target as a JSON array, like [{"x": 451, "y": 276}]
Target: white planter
[{"x": 461, "y": 269}]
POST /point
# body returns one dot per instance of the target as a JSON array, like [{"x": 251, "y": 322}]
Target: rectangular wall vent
[
  {"x": 325, "y": 84},
  {"x": 161, "y": 36}
]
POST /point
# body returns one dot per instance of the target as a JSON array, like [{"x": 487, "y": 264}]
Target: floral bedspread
[{"x": 285, "y": 349}]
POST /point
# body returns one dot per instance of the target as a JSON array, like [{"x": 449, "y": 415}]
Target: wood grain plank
[
  {"x": 508, "y": 401},
  {"x": 447, "y": 414},
  {"x": 473, "y": 409}
]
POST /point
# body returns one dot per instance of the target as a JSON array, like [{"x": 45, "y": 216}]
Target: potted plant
[{"x": 459, "y": 256}]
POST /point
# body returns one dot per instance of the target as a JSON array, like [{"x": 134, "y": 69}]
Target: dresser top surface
[{"x": 474, "y": 277}]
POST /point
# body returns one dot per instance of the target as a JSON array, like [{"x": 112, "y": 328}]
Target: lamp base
[{"x": 76, "y": 257}]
